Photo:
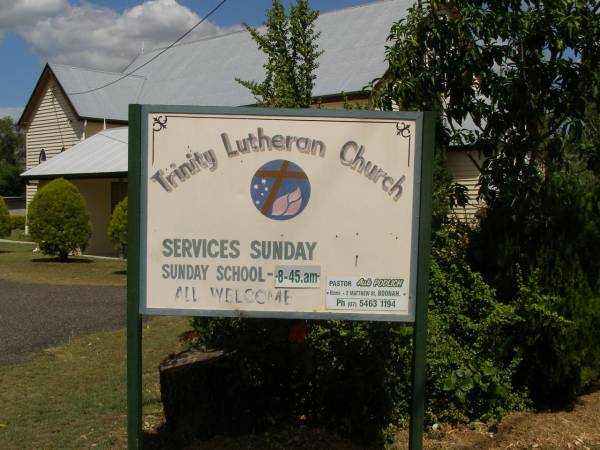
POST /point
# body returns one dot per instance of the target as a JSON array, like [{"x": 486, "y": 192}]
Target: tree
[
  {"x": 519, "y": 81},
  {"x": 5, "y": 225},
  {"x": 117, "y": 229},
  {"x": 289, "y": 44},
  {"x": 12, "y": 155},
  {"x": 357, "y": 373},
  {"x": 58, "y": 219}
]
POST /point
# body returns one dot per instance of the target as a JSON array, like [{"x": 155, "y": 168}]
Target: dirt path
[
  {"x": 575, "y": 429},
  {"x": 37, "y": 316}
]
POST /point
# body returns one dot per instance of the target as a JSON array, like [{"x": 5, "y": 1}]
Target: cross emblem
[
  {"x": 279, "y": 175},
  {"x": 280, "y": 189}
]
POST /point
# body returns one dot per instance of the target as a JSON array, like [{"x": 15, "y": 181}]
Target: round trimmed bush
[
  {"x": 4, "y": 219},
  {"x": 58, "y": 219},
  {"x": 117, "y": 229}
]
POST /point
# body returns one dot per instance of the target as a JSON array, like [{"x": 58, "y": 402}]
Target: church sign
[
  {"x": 279, "y": 213},
  {"x": 250, "y": 212}
]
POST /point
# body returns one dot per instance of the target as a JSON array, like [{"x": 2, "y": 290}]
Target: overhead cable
[{"x": 155, "y": 56}]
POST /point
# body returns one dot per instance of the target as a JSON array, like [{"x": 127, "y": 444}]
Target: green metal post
[
  {"x": 134, "y": 320},
  {"x": 420, "y": 326}
]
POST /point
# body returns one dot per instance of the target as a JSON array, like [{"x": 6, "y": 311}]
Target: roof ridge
[
  {"x": 193, "y": 41},
  {"x": 70, "y": 66},
  {"x": 242, "y": 30}
]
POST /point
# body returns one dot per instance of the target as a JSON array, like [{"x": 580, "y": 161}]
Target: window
[{"x": 42, "y": 156}]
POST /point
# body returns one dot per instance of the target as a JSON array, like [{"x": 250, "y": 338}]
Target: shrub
[
  {"x": 4, "y": 219},
  {"x": 117, "y": 229},
  {"x": 471, "y": 365},
  {"x": 17, "y": 222},
  {"x": 355, "y": 376},
  {"x": 58, "y": 219},
  {"x": 540, "y": 253},
  {"x": 558, "y": 339}
]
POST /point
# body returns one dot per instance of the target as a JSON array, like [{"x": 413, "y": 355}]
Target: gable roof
[
  {"x": 203, "y": 72},
  {"x": 103, "y": 154}
]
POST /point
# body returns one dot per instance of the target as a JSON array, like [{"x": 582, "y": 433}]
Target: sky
[{"x": 107, "y": 34}]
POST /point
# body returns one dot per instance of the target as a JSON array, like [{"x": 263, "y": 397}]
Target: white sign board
[{"x": 279, "y": 215}]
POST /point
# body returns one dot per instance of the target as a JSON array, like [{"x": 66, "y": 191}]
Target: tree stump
[
  {"x": 187, "y": 390},
  {"x": 203, "y": 396}
]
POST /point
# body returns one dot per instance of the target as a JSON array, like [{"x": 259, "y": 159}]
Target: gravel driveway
[{"x": 37, "y": 316}]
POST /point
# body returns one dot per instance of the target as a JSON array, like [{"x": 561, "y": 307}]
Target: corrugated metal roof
[
  {"x": 103, "y": 153},
  {"x": 108, "y": 103},
  {"x": 203, "y": 72}
]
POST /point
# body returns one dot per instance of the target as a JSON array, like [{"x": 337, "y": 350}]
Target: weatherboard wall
[
  {"x": 53, "y": 126},
  {"x": 464, "y": 168}
]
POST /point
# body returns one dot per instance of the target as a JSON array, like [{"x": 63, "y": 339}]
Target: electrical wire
[
  {"x": 53, "y": 90},
  {"x": 155, "y": 56}
]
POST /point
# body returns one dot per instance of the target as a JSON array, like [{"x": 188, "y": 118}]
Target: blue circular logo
[{"x": 280, "y": 190}]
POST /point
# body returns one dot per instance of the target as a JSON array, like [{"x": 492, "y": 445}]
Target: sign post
[
  {"x": 134, "y": 319},
  {"x": 313, "y": 214}
]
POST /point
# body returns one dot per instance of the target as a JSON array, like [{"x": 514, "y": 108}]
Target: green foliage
[
  {"x": 470, "y": 376},
  {"x": 558, "y": 338},
  {"x": 339, "y": 375},
  {"x": 264, "y": 351},
  {"x": 447, "y": 195},
  {"x": 544, "y": 265},
  {"x": 290, "y": 47},
  {"x": 355, "y": 376},
  {"x": 514, "y": 308},
  {"x": 11, "y": 183},
  {"x": 5, "y": 225},
  {"x": 58, "y": 219},
  {"x": 526, "y": 76},
  {"x": 12, "y": 142},
  {"x": 117, "y": 229},
  {"x": 12, "y": 156},
  {"x": 17, "y": 222}
]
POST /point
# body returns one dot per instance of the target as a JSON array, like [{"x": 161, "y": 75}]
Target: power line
[
  {"x": 155, "y": 56},
  {"x": 56, "y": 117}
]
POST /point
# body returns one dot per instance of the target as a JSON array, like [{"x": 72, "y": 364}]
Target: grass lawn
[
  {"x": 74, "y": 396},
  {"x": 18, "y": 263}
]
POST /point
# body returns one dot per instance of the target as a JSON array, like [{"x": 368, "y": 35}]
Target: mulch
[{"x": 34, "y": 317}]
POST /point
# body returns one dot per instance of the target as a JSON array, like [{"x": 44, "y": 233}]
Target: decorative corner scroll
[
  {"x": 160, "y": 123},
  {"x": 405, "y": 130}
]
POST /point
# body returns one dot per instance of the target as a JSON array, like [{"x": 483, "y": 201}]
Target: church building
[{"x": 75, "y": 121}]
